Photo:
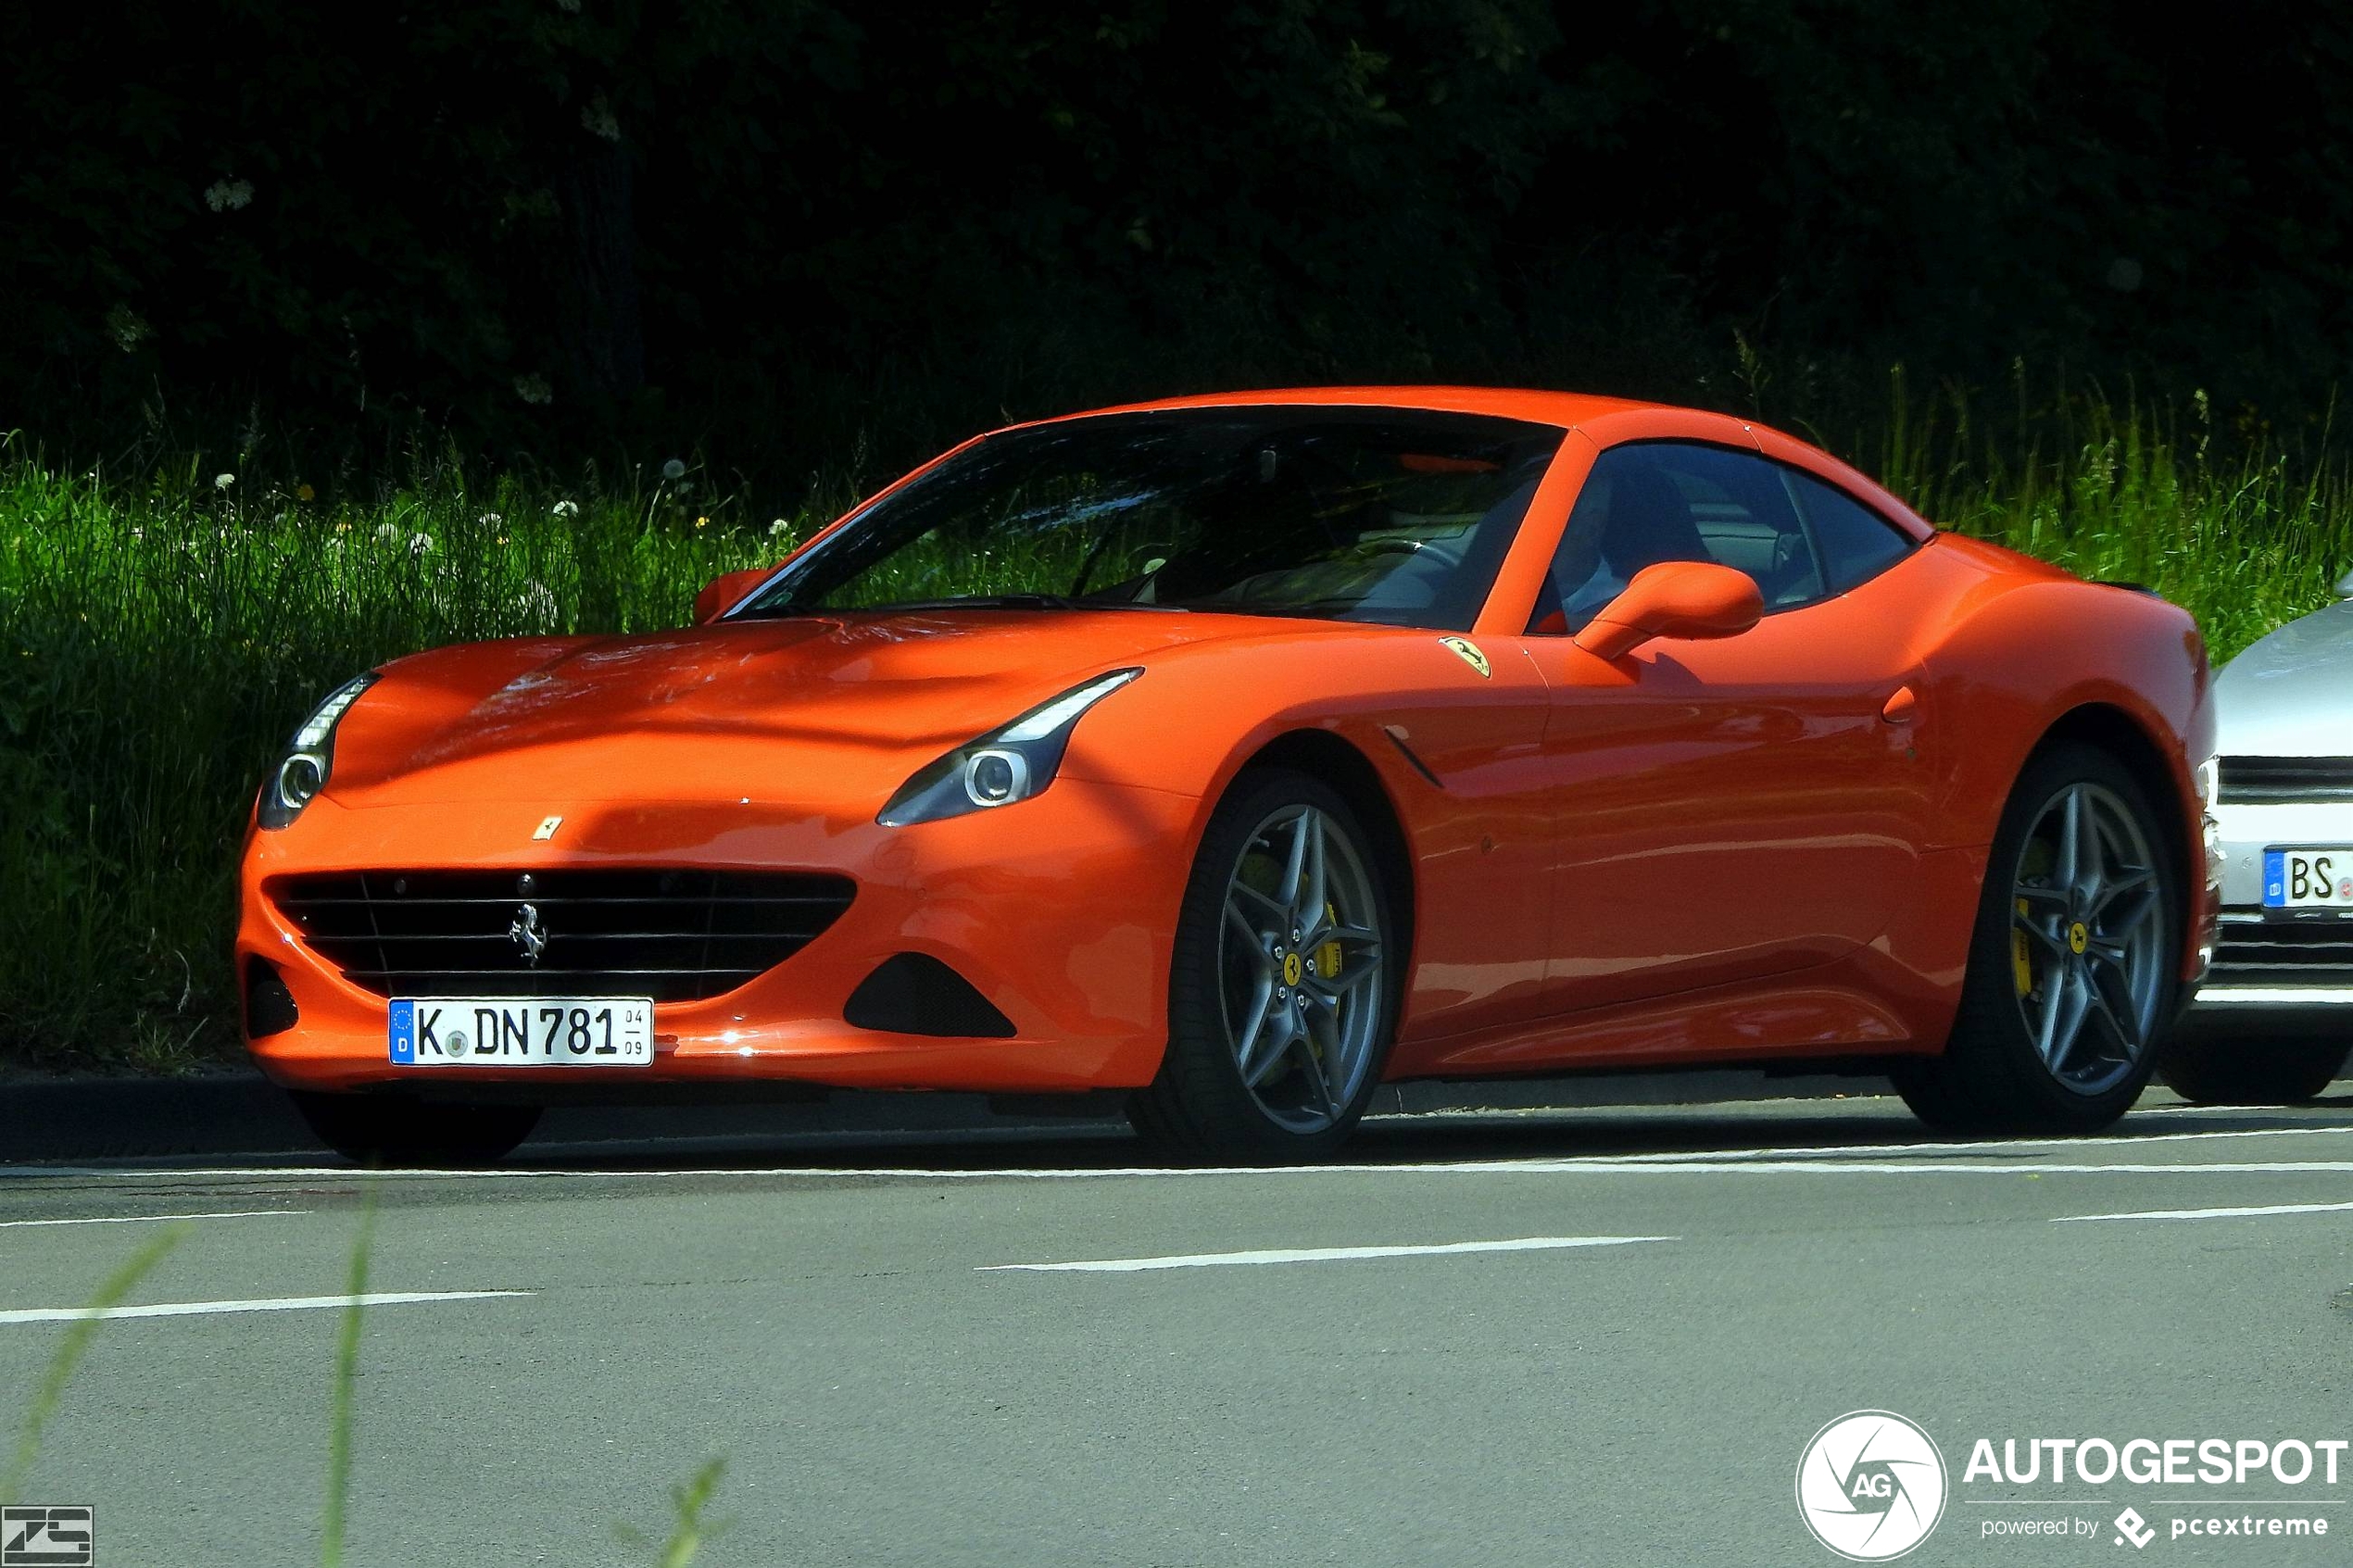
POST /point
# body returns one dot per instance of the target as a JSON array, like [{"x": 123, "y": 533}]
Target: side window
[
  {"x": 1660, "y": 501},
  {"x": 1856, "y": 543}
]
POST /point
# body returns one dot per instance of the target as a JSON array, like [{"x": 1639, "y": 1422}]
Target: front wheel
[
  {"x": 1282, "y": 997},
  {"x": 2073, "y": 968},
  {"x": 392, "y": 1131}
]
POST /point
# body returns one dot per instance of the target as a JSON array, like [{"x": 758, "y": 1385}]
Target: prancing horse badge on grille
[{"x": 529, "y": 934}]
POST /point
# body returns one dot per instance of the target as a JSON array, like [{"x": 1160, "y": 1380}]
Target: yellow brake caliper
[
  {"x": 1328, "y": 954},
  {"x": 2021, "y": 965},
  {"x": 1326, "y": 962}
]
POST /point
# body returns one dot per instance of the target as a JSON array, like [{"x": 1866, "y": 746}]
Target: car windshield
[{"x": 1397, "y": 517}]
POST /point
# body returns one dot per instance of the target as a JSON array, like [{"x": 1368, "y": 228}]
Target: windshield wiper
[{"x": 984, "y": 601}]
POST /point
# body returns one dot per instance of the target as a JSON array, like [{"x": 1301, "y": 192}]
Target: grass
[
  {"x": 161, "y": 632},
  {"x": 689, "y": 1499},
  {"x": 72, "y": 1345}
]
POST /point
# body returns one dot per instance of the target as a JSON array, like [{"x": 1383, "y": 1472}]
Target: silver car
[{"x": 2274, "y": 1018}]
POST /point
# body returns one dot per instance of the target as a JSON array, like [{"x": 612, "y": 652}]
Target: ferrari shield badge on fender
[
  {"x": 1469, "y": 652},
  {"x": 546, "y": 828}
]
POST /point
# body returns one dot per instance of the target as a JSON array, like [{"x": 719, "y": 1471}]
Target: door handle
[{"x": 1900, "y": 707}]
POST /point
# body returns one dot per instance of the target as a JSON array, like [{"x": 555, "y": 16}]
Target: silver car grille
[
  {"x": 2255, "y": 952},
  {"x": 2249, "y": 781}
]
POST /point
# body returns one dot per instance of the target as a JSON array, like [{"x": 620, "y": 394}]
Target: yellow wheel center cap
[
  {"x": 2078, "y": 937},
  {"x": 1291, "y": 969}
]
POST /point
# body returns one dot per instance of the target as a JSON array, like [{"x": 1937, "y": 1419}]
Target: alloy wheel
[
  {"x": 1300, "y": 972},
  {"x": 2087, "y": 938}
]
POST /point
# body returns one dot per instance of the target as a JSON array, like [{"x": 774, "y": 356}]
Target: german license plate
[
  {"x": 524, "y": 1031},
  {"x": 2308, "y": 879}
]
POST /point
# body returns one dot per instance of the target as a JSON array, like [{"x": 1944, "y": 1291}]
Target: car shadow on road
[{"x": 1859, "y": 1124}]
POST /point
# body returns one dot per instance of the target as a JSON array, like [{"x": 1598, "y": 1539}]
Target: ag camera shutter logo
[{"x": 1870, "y": 1485}]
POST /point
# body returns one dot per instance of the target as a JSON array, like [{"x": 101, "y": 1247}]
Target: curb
[{"x": 245, "y": 1114}]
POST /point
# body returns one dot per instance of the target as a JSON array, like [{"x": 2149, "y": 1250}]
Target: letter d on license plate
[{"x": 523, "y": 1030}]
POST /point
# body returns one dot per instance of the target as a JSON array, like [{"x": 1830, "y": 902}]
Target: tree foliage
[{"x": 529, "y": 219}]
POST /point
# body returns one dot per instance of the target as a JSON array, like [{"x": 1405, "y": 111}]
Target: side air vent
[
  {"x": 916, "y": 994},
  {"x": 269, "y": 1007}
]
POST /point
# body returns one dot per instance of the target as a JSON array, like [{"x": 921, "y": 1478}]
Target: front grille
[
  {"x": 2265, "y": 780},
  {"x": 674, "y": 936},
  {"x": 2283, "y": 952}
]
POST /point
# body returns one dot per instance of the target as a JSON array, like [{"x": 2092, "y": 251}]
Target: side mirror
[
  {"x": 1675, "y": 598},
  {"x": 724, "y": 592}
]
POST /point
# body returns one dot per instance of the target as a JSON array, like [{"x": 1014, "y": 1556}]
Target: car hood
[
  {"x": 808, "y": 710},
  {"x": 2290, "y": 693}
]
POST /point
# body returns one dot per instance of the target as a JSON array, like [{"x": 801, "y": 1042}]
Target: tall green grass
[
  {"x": 2243, "y": 535},
  {"x": 161, "y": 632}
]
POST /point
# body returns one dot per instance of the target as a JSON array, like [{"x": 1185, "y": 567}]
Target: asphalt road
[{"x": 854, "y": 1332}]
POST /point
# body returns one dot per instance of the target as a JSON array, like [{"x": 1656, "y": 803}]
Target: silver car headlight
[
  {"x": 1008, "y": 764},
  {"x": 302, "y": 773}
]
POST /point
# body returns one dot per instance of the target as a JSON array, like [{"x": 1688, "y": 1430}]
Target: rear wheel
[
  {"x": 1283, "y": 998},
  {"x": 2072, "y": 971},
  {"x": 2215, "y": 1065},
  {"x": 389, "y": 1130}
]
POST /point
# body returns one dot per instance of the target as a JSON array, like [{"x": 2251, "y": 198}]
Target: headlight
[
  {"x": 302, "y": 773},
  {"x": 1002, "y": 766}
]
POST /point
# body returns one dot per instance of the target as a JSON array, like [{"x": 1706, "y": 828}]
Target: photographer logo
[
  {"x": 47, "y": 1536},
  {"x": 1870, "y": 1485}
]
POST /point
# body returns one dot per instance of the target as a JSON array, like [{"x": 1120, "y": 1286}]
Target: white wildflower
[
  {"x": 537, "y": 603},
  {"x": 387, "y": 534},
  {"x": 419, "y": 544},
  {"x": 778, "y": 529},
  {"x": 673, "y": 470},
  {"x": 490, "y": 520},
  {"x": 128, "y": 331},
  {"x": 683, "y": 487},
  {"x": 533, "y": 389},
  {"x": 222, "y": 481},
  {"x": 598, "y": 119},
  {"x": 566, "y": 509},
  {"x": 227, "y": 195}
]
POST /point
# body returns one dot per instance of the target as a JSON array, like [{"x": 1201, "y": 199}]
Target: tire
[
  {"x": 391, "y": 1131},
  {"x": 2218, "y": 1066},
  {"x": 1335, "y": 1002},
  {"x": 2102, "y": 948}
]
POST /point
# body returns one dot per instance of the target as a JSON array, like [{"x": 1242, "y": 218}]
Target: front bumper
[
  {"x": 1060, "y": 910},
  {"x": 2267, "y": 963}
]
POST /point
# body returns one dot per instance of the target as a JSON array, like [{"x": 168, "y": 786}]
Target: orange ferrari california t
[{"x": 1240, "y": 753}]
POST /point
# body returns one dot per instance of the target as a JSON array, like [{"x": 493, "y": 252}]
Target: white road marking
[
  {"x": 1321, "y": 1254},
  {"x": 268, "y": 1304},
  {"x": 1846, "y": 1159},
  {"x": 153, "y": 1218},
  {"x": 2211, "y": 1213},
  {"x": 1868, "y": 1150}
]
